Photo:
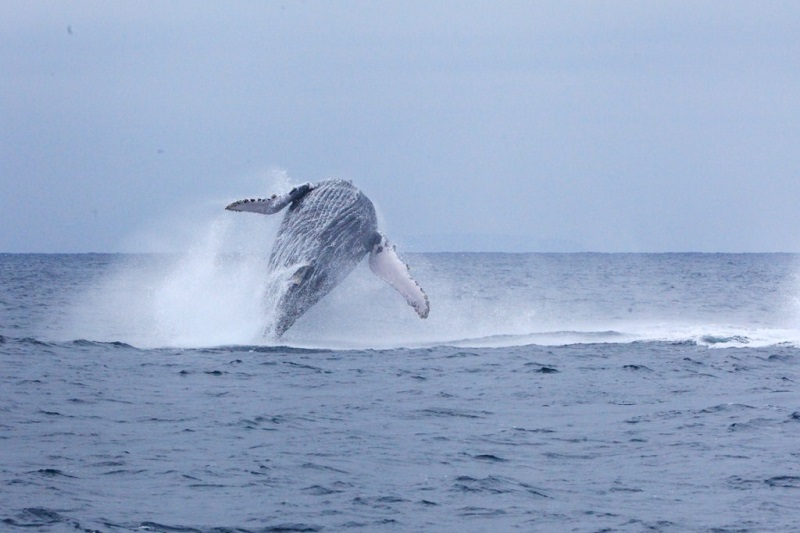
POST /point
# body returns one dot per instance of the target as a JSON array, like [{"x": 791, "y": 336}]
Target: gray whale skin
[{"x": 328, "y": 229}]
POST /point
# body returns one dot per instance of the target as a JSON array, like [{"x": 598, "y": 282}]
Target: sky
[{"x": 515, "y": 126}]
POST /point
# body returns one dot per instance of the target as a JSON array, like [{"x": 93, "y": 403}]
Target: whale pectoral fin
[
  {"x": 265, "y": 206},
  {"x": 271, "y": 205},
  {"x": 384, "y": 262}
]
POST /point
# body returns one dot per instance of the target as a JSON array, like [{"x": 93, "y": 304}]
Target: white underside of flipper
[{"x": 385, "y": 263}]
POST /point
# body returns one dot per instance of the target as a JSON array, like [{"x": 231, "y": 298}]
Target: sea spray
[
  {"x": 212, "y": 294},
  {"x": 212, "y": 297},
  {"x": 214, "y": 291}
]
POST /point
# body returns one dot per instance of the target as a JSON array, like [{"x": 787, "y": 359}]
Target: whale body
[{"x": 327, "y": 230}]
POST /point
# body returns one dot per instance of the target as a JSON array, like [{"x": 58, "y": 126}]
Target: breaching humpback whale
[{"x": 328, "y": 229}]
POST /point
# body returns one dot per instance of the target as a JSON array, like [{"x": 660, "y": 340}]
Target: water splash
[
  {"x": 212, "y": 294},
  {"x": 212, "y": 297}
]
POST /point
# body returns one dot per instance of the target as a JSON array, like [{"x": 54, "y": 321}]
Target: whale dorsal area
[{"x": 385, "y": 263}]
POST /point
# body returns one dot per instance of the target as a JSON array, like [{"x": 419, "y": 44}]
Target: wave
[{"x": 710, "y": 336}]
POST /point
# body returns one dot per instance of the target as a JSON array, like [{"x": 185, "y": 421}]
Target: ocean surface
[{"x": 545, "y": 392}]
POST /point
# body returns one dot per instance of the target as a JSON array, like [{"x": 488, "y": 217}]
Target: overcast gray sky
[{"x": 507, "y": 126}]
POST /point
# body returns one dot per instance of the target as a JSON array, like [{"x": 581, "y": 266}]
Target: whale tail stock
[
  {"x": 385, "y": 263},
  {"x": 271, "y": 205}
]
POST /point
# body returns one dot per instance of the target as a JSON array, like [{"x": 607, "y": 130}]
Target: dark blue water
[{"x": 577, "y": 392}]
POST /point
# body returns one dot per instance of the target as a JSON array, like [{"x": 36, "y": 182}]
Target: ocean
[{"x": 545, "y": 392}]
